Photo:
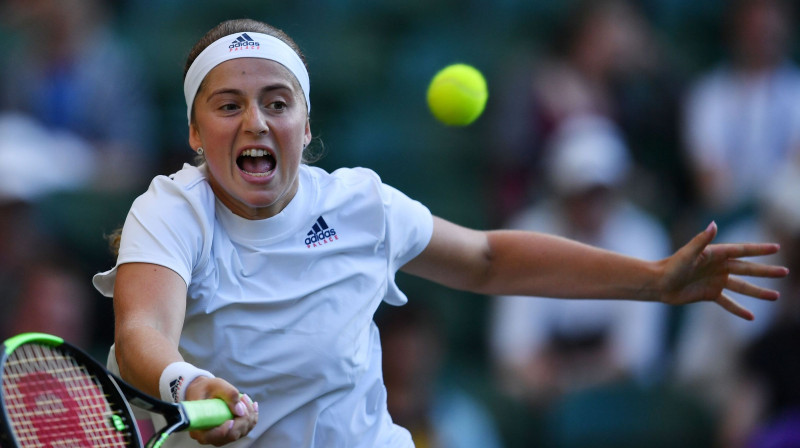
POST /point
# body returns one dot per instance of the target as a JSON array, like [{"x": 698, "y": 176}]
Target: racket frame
[
  {"x": 109, "y": 384},
  {"x": 179, "y": 416}
]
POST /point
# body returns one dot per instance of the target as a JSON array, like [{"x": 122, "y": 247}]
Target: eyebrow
[{"x": 235, "y": 91}]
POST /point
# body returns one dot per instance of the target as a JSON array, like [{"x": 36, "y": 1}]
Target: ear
[
  {"x": 194, "y": 137},
  {"x": 307, "y": 136}
]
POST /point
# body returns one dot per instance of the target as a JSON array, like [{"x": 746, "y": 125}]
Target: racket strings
[{"x": 54, "y": 401}]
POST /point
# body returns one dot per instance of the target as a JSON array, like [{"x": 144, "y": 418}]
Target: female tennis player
[{"x": 254, "y": 273}]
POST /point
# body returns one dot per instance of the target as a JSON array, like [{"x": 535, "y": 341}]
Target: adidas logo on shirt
[
  {"x": 320, "y": 233},
  {"x": 244, "y": 42}
]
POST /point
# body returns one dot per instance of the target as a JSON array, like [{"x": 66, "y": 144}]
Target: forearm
[
  {"x": 142, "y": 354},
  {"x": 510, "y": 262},
  {"x": 527, "y": 263}
]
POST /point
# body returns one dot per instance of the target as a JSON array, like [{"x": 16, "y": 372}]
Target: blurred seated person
[
  {"x": 438, "y": 413},
  {"x": 604, "y": 59},
  {"x": 742, "y": 119},
  {"x": 68, "y": 70},
  {"x": 544, "y": 348}
]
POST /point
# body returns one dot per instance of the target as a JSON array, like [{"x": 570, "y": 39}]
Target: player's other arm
[
  {"x": 528, "y": 263},
  {"x": 510, "y": 262}
]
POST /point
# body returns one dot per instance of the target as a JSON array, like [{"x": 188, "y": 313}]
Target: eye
[
  {"x": 277, "y": 105},
  {"x": 229, "y": 107}
]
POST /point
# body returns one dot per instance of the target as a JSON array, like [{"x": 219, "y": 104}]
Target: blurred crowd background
[{"x": 625, "y": 124}]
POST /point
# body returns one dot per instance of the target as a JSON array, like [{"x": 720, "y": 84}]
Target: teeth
[
  {"x": 254, "y": 153},
  {"x": 256, "y": 174}
]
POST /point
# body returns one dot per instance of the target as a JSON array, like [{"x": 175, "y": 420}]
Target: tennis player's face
[{"x": 250, "y": 118}]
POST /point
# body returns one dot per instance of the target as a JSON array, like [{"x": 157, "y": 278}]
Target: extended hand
[{"x": 700, "y": 271}]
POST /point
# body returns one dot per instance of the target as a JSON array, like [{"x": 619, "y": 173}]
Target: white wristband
[{"x": 175, "y": 378}]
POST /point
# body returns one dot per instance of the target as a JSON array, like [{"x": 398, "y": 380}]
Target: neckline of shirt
[{"x": 291, "y": 219}]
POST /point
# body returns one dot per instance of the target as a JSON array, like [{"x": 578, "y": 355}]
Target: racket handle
[{"x": 204, "y": 414}]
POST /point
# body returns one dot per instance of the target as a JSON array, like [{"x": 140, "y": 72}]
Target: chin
[{"x": 260, "y": 203}]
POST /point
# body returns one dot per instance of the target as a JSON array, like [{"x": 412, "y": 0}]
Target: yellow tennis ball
[{"x": 457, "y": 95}]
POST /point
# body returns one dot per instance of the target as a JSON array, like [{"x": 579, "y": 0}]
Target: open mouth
[{"x": 256, "y": 162}]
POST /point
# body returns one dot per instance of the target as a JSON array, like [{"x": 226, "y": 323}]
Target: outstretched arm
[{"x": 508, "y": 262}]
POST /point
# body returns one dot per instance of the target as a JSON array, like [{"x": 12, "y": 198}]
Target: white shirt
[{"x": 282, "y": 308}]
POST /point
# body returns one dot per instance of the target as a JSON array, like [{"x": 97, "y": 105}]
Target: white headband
[{"x": 243, "y": 45}]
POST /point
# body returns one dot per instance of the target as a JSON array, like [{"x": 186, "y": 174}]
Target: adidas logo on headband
[
  {"x": 263, "y": 46},
  {"x": 243, "y": 42}
]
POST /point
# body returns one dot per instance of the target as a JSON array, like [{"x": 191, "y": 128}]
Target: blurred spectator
[
  {"x": 545, "y": 348},
  {"x": 747, "y": 370},
  {"x": 75, "y": 130},
  {"x": 36, "y": 161},
  {"x": 600, "y": 42},
  {"x": 771, "y": 369},
  {"x": 765, "y": 410},
  {"x": 438, "y": 413},
  {"x": 41, "y": 289},
  {"x": 54, "y": 300},
  {"x": 604, "y": 60},
  {"x": 742, "y": 119},
  {"x": 65, "y": 68}
]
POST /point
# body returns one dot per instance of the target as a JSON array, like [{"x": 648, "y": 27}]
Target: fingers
[
  {"x": 216, "y": 436},
  {"x": 245, "y": 411},
  {"x": 245, "y": 406},
  {"x": 750, "y": 269},
  {"x": 743, "y": 287},
  {"x": 742, "y": 250},
  {"x": 734, "y": 308},
  {"x": 246, "y": 417}
]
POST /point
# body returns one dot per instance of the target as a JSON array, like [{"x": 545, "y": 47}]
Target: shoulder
[
  {"x": 351, "y": 185},
  {"x": 185, "y": 190},
  {"x": 189, "y": 182},
  {"x": 342, "y": 176},
  {"x": 360, "y": 194}
]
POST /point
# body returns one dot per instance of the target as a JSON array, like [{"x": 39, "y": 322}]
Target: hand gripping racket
[{"x": 54, "y": 395}]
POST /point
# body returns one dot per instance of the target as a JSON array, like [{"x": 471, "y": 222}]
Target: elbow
[
  {"x": 121, "y": 357},
  {"x": 482, "y": 276},
  {"x": 116, "y": 362}
]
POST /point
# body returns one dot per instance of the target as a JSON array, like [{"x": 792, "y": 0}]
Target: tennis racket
[{"x": 54, "y": 395}]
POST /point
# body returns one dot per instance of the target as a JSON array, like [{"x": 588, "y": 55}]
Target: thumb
[
  {"x": 702, "y": 239},
  {"x": 234, "y": 400},
  {"x": 215, "y": 388},
  {"x": 227, "y": 393}
]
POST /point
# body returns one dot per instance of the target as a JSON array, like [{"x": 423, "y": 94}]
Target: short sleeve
[
  {"x": 409, "y": 228},
  {"x": 167, "y": 226}
]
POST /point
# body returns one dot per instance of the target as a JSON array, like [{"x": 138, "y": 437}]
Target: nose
[{"x": 255, "y": 121}]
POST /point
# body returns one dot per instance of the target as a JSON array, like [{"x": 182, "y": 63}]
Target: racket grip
[{"x": 204, "y": 414}]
